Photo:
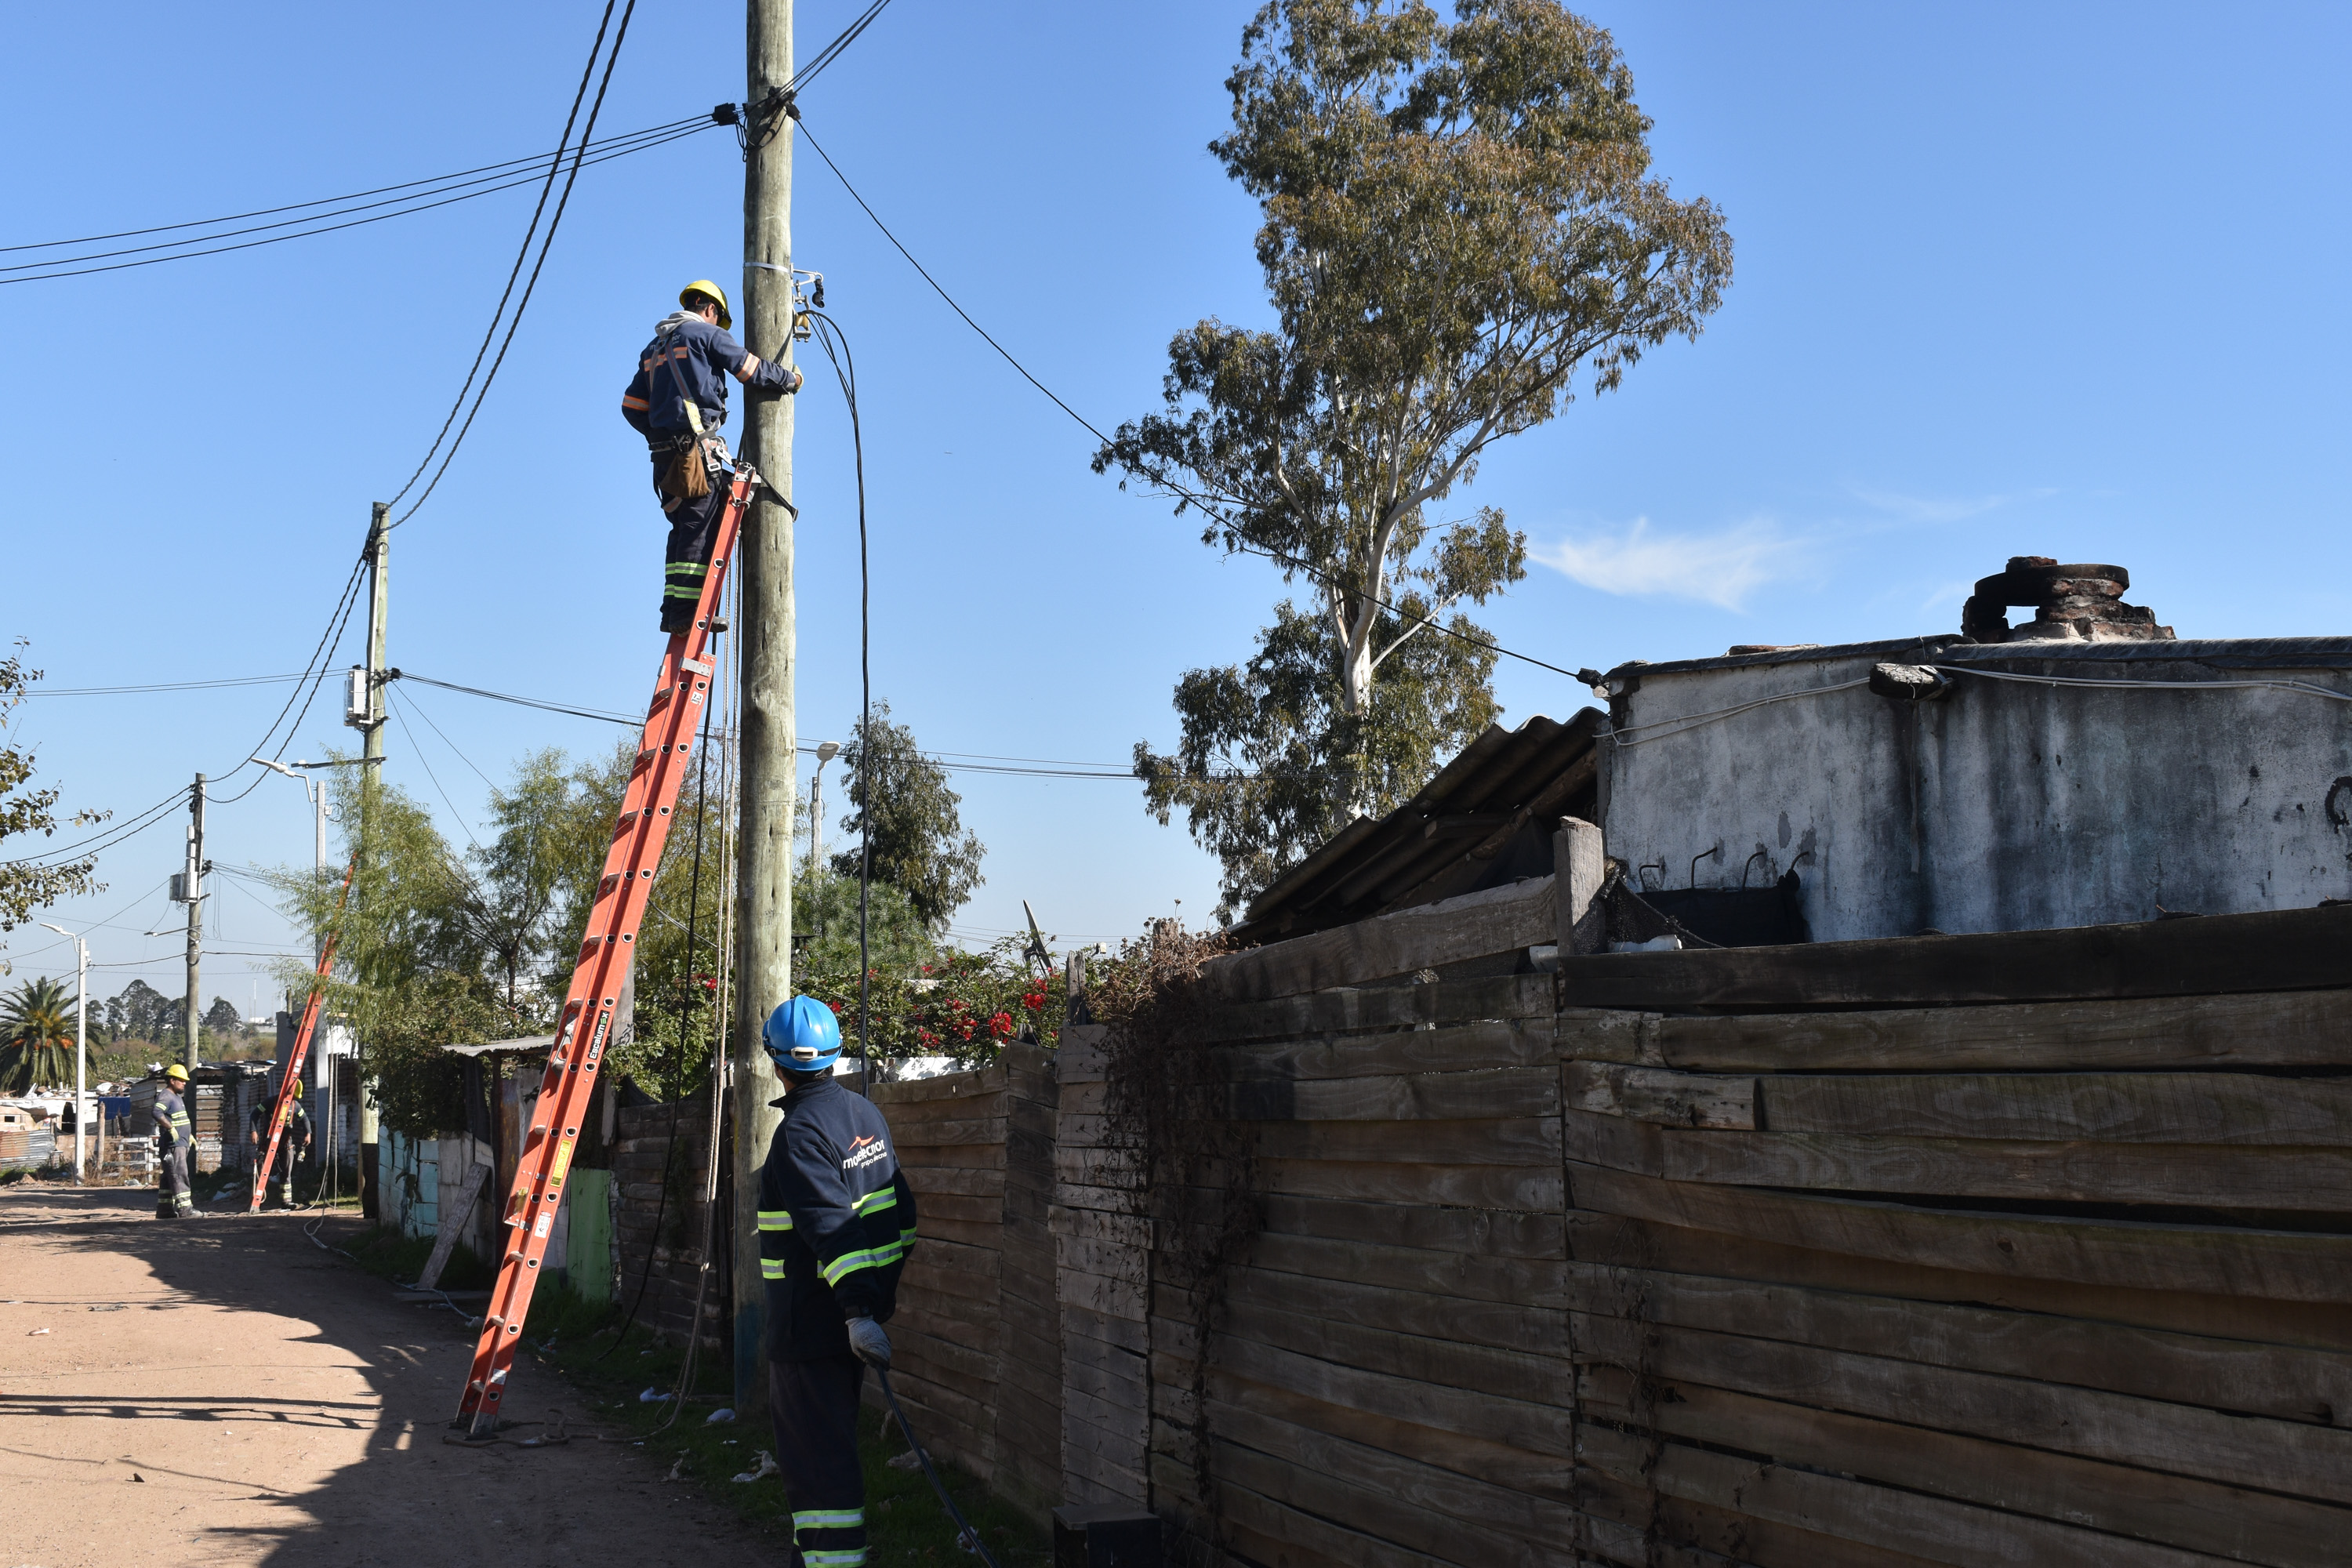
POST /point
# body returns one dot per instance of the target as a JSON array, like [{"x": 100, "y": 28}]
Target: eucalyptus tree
[{"x": 1461, "y": 233}]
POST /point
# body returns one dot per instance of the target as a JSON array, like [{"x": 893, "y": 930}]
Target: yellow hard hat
[
  {"x": 705, "y": 286},
  {"x": 176, "y": 1070},
  {"x": 298, "y": 1089}
]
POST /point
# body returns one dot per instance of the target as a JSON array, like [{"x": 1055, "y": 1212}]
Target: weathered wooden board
[
  {"x": 2201, "y": 1108},
  {"x": 2291, "y": 1383},
  {"x": 2282, "y": 950},
  {"x": 1496, "y": 1140},
  {"x": 1487, "y": 1233},
  {"x": 929, "y": 1179},
  {"x": 2182, "y": 1175},
  {"x": 1519, "y": 1282},
  {"x": 1516, "y": 1423},
  {"x": 2297, "y": 1458},
  {"x": 2289, "y": 1030},
  {"x": 1391, "y": 1500},
  {"x": 1531, "y": 1188},
  {"x": 2173, "y": 1509},
  {"x": 2288, "y": 1265},
  {"x": 1646, "y": 1246},
  {"x": 1459, "y": 1047},
  {"x": 1422, "y": 1358},
  {"x": 943, "y": 1086},
  {"x": 1272, "y": 1531},
  {"x": 1423, "y": 937},
  {"x": 1480, "y": 1457},
  {"x": 1348, "y": 1010},
  {"x": 944, "y": 1135},
  {"x": 1500, "y": 1093},
  {"x": 1933, "y": 1528}
]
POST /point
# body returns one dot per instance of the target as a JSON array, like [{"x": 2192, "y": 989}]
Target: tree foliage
[
  {"x": 26, "y": 884},
  {"x": 36, "y": 1036},
  {"x": 1459, "y": 231},
  {"x": 921, "y": 845}
]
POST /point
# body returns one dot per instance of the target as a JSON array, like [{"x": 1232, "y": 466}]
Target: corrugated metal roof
[
  {"x": 2222, "y": 653},
  {"x": 1484, "y": 820}
]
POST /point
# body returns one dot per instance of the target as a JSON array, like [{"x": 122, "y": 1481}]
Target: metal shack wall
[{"x": 2003, "y": 806}]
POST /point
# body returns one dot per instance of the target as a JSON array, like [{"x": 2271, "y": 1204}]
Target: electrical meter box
[{"x": 357, "y": 710}]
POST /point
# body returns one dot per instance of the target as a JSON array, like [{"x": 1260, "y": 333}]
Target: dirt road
[{"x": 220, "y": 1391}]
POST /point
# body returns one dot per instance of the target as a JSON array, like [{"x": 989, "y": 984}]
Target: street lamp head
[
  {"x": 275, "y": 767},
  {"x": 827, "y": 750},
  {"x": 61, "y": 931}
]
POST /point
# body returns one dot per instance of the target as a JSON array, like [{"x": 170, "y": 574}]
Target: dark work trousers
[
  {"x": 693, "y": 529},
  {"x": 282, "y": 1186},
  {"x": 815, "y": 1405},
  {"x": 173, "y": 1198}
]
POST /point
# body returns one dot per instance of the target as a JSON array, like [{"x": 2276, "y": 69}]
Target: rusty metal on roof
[{"x": 1487, "y": 818}]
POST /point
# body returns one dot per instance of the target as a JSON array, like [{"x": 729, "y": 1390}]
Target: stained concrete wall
[{"x": 2003, "y": 806}]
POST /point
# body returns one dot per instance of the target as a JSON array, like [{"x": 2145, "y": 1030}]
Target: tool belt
[{"x": 697, "y": 463}]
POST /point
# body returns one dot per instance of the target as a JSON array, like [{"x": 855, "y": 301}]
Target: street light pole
[{"x": 82, "y": 1050}]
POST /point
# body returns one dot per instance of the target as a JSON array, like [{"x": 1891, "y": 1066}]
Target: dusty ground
[{"x": 219, "y": 1391}]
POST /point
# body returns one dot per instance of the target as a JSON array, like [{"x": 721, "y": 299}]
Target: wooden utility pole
[
  {"x": 370, "y": 766},
  {"x": 195, "y": 875},
  {"x": 763, "y": 654}
]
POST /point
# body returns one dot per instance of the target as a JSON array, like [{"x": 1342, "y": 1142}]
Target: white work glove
[{"x": 872, "y": 1345}]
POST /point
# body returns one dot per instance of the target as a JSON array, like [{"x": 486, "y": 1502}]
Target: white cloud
[
  {"x": 1941, "y": 508},
  {"x": 1718, "y": 569}
]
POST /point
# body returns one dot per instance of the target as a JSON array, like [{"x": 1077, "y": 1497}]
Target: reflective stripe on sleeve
[
  {"x": 771, "y": 1268},
  {"x": 775, "y": 1219},
  {"x": 829, "y": 1519},
  {"x": 848, "y": 1263}
]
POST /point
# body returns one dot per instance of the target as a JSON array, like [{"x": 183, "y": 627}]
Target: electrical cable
[
  {"x": 420, "y": 713},
  {"x": 757, "y": 124},
  {"x": 970, "y": 1538},
  {"x": 553, "y": 223},
  {"x": 844, "y": 370},
  {"x": 1293, "y": 563},
  {"x": 605, "y": 157},
  {"x": 429, "y": 769},
  {"x": 535, "y": 158},
  {"x": 2296, "y": 686},
  {"x": 161, "y": 686},
  {"x": 522, "y": 252}
]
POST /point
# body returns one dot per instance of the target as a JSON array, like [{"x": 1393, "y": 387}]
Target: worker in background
[
  {"x": 678, "y": 401},
  {"x": 293, "y": 1146},
  {"x": 173, "y": 1136},
  {"x": 836, "y": 1221}
]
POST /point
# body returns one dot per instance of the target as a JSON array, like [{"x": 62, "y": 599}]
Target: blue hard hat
[{"x": 802, "y": 1035}]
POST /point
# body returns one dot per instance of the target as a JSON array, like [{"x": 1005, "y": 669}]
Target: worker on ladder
[
  {"x": 836, "y": 1221},
  {"x": 678, "y": 401},
  {"x": 294, "y": 1145},
  {"x": 174, "y": 1135}
]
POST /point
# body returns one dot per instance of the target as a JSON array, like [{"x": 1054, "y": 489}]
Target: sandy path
[{"x": 241, "y": 1397}]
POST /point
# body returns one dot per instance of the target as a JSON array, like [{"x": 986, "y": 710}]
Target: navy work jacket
[
  {"x": 837, "y": 1221},
  {"x": 171, "y": 1128},
  {"x": 690, "y": 358}
]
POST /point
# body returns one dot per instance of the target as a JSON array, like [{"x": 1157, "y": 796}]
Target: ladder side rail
[
  {"x": 280, "y": 1108},
  {"x": 607, "y": 948}
]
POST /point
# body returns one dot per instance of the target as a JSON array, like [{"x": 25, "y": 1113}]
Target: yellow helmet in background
[
  {"x": 176, "y": 1073},
  {"x": 706, "y": 286},
  {"x": 298, "y": 1089}
]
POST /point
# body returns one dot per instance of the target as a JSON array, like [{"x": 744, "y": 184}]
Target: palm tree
[{"x": 37, "y": 1036}]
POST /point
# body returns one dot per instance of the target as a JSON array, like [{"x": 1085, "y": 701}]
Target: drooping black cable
[
  {"x": 844, "y": 368},
  {"x": 1292, "y": 561},
  {"x": 697, "y": 120},
  {"x": 335, "y": 227},
  {"x": 522, "y": 252},
  {"x": 546, "y": 245}
]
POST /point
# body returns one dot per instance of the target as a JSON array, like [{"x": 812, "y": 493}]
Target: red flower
[
  {"x": 1033, "y": 1001},
  {"x": 1000, "y": 1024}
]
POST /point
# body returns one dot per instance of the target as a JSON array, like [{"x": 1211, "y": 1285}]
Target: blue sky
[{"x": 2010, "y": 279}]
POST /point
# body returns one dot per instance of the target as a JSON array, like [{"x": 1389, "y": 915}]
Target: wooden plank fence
[{"x": 2023, "y": 1251}]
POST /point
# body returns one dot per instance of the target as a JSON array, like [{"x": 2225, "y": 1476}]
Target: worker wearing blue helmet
[{"x": 836, "y": 1221}]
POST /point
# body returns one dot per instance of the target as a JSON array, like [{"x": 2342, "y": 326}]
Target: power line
[
  {"x": 697, "y": 121},
  {"x": 161, "y": 686},
  {"x": 588, "y": 134},
  {"x": 323, "y": 228},
  {"x": 1292, "y": 561}
]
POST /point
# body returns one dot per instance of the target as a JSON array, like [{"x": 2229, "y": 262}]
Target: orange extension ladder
[
  {"x": 292, "y": 1074},
  {"x": 584, "y": 1026}
]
